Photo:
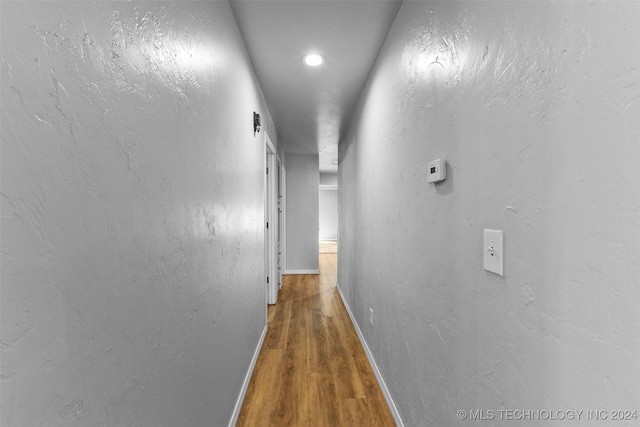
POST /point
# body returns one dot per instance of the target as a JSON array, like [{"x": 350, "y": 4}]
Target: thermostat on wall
[{"x": 437, "y": 171}]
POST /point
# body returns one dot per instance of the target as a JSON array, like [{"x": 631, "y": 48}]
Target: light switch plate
[{"x": 493, "y": 251}]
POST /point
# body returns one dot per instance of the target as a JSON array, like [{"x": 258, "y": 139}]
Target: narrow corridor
[
  {"x": 312, "y": 369},
  {"x": 143, "y": 145}
]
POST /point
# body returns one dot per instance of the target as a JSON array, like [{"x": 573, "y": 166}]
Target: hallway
[
  {"x": 312, "y": 369},
  {"x": 134, "y": 139}
]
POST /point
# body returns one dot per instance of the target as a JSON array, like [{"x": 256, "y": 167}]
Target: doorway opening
[{"x": 328, "y": 215}]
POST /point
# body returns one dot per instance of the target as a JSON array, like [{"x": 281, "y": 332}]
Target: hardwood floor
[
  {"x": 312, "y": 370},
  {"x": 328, "y": 247}
]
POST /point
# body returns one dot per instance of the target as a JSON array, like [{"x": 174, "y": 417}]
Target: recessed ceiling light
[{"x": 313, "y": 59}]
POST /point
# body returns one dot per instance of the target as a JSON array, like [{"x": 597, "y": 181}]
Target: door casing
[{"x": 272, "y": 234}]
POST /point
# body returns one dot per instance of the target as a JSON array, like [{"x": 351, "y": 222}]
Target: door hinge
[
  {"x": 267, "y": 171},
  {"x": 267, "y": 225},
  {"x": 267, "y": 279}
]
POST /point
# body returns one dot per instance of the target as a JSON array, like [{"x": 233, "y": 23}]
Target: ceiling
[{"x": 311, "y": 106}]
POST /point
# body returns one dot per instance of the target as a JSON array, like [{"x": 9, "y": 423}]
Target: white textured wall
[
  {"x": 132, "y": 206},
  {"x": 302, "y": 212},
  {"x": 536, "y": 106}
]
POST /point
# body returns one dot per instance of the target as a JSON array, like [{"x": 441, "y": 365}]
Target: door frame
[
  {"x": 272, "y": 279},
  {"x": 283, "y": 220}
]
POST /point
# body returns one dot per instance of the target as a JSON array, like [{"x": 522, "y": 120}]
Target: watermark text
[{"x": 547, "y": 415}]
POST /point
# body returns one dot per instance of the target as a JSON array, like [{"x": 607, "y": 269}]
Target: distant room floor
[{"x": 328, "y": 246}]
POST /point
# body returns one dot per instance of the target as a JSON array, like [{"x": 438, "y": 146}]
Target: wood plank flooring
[
  {"x": 328, "y": 247},
  {"x": 312, "y": 370}
]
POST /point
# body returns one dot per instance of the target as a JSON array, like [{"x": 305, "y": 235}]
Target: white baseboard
[
  {"x": 302, "y": 272},
  {"x": 247, "y": 379},
  {"x": 374, "y": 366}
]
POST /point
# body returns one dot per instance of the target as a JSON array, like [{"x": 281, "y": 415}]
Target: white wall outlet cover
[
  {"x": 436, "y": 171},
  {"x": 493, "y": 250}
]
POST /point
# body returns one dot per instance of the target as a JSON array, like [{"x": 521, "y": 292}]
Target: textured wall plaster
[
  {"x": 536, "y": 106},
  {"x": 132, "y": 208}
]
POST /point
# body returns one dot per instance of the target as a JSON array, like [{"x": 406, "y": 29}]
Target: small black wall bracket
[{"x": 256, "y": 122}]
